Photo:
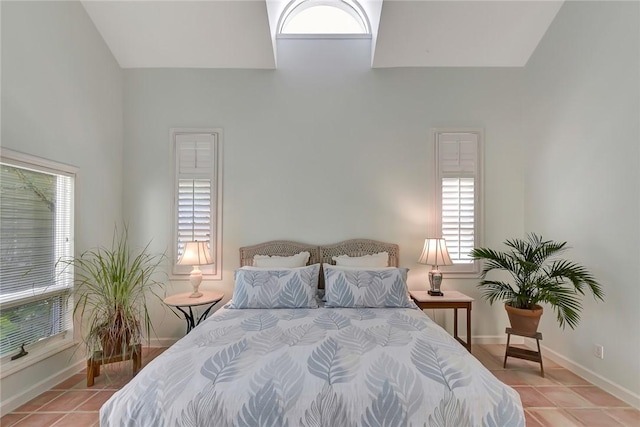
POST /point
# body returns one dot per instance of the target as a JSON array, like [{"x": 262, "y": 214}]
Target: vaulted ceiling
[{"x": 242, "y": 33}]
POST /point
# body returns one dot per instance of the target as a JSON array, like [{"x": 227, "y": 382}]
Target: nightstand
[
  {"x": 183, "y": 301},
  {"x": 451, "y": 299}
]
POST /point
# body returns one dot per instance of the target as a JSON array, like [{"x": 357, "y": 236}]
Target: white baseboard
[
  {"x": 618, "y": 391},
  {"x": 162, "y": 342},
  {"x": 37, "y": 389},
  {"x": 495, "y": 339}
]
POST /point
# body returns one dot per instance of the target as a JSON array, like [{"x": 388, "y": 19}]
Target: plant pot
[{"x": 524, "y": 320}]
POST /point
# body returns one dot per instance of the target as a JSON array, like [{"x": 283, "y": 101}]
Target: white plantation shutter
[
  {"x": 194, "y": 211},
  {"x": 458, "y": 168},
  {"x": 195, "y": 154},
  {"x": 458, "y": 225},
  {"x": 457, "y": 153},
  {"x": 36, "y": 231},
  {"x": 196, "y": 198}
]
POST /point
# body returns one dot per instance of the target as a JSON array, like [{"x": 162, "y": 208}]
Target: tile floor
[
  {"x": 71, "y": 403},
  {"x": 560, "y": 399}
]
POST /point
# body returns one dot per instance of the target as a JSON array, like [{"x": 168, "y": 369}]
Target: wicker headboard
[
  {"x": 319, "y": 254},
  {"x": 278, "y": 248},
  {"x": 359, "y": 247}
]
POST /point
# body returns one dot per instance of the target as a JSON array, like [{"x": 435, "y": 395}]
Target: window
[
  {"x": 197, "y": 195},
  {"x": 36, "y": 231},
  {"x": 458, "y": 155},
  {"x": 324, "y": 17}
]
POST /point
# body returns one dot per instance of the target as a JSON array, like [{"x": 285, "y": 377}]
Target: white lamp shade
[
  {"x": 435, "y": 252},
  {"x": 195, "y": 253}
]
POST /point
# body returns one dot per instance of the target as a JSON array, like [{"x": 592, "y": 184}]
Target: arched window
[{"x": 324, "y": 17}]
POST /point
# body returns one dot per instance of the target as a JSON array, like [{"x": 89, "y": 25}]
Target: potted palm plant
[
  {"x": 538, "y": 276},
  {"x": 111, "y": 290}
]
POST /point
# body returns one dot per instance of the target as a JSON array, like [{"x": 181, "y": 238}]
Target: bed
[{"x": 333, "y": 362}]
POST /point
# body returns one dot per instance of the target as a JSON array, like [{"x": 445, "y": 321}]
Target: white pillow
[
  {"x": 293, "y": 261},
  {"x": 376, "y": 260}
]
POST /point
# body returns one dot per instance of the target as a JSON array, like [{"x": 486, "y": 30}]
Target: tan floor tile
[
  {"x": 598, "y": 396},
  {"x": 494, "y": 349},
  {"x": 548, "y": 363},
  {"x": 68, "y": 401},
  {"x": 593, "y": 418},
  {"x": 39, "y": 419},
  {"x": 39, "y": 401},
  {"x": 82, "y": 385},
  {"x": 489, "y": 361},
  {"x": 94, "y": 403},
  {"x": 71, "y": 382},
  {"x": 532, "y": 398},
  {"x": 533, "y": 377},
  {"x": 114, "y": 382},
  {"x": 565, "y": 377},
  {"x": 78, "y": 419},
  {"x": 509, "y": 377},
  {"x": 627, "y": 416},
  {"x": 564, "y": 397},
  {"x": 531, "y": 420},
  {"x": 554, "y": 418},
  {"x": 10, "y": 419}
]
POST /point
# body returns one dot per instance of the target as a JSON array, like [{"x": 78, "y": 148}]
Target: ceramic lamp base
[
  {"x": 195, "y": 278},
  {"x": 435, "y": 280}
]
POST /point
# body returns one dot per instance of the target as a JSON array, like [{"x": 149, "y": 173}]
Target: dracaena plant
[
  {"x": 538, "y": 275},
  {"x": 111, "y": 290}
]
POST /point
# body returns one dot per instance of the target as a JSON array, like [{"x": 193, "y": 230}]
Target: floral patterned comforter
[{"x": 315, "y": 367}]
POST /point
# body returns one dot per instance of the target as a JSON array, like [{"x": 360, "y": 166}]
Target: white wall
[
  {"x": 582, "y": 117},
  {"x": 62, "y": 100},
  {"x": 323, "y": 149}
]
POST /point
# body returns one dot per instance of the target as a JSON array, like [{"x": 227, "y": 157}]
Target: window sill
[
  {"x": 37, "y": 353},
  {"x": 460, "y": 274},
  {"x": 321, "y": 36}
]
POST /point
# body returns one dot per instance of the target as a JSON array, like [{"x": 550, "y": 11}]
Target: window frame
[
  {"x": 473, "y": 268},
  {"x": 351, "y": 7},
  {"x": 214, "y": 271},
  {"x": 61, "y": 341}
]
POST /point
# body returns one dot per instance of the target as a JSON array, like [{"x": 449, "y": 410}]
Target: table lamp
[
  {"x": 195, "y": 254},
  {"x": 435, "y": 253}
]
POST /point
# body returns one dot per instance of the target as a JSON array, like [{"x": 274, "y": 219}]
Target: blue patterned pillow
[
  {"x": 383, "y": 287},
  {"x": 276, "y": 288}
]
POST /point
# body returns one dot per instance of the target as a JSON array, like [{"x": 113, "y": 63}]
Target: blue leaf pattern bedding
[{"x": 315, "y": 367}]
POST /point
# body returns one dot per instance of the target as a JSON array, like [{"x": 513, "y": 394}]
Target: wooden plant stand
[
  {"x": 521, "y": 353},
  {"x": 134, "y": 354}
]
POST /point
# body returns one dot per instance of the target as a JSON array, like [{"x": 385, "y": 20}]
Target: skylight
[{"x": 324, "y": 17}]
